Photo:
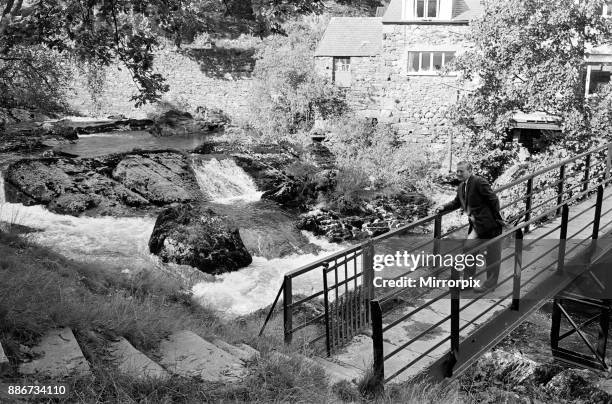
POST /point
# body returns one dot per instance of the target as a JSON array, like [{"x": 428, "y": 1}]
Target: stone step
[
  {"x": 58, "y": 354},
  {"x": 4, "y": 362},
  {"x": 187, "y": 354},
  {"x": 335, "y": 371},
  {"x": 233, "y": 350},
  {"x": 131, "y": 361},
  {"x": 253, "y": 353},
  {"x": 339, "y": 371}
]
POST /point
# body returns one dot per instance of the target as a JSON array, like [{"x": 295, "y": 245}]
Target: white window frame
[
  {"x": 342, "y": 77},
  {"x": 346, "y": 67},
  {"x": 425, "y": 9},
  {"x": 607, "y": 10},
  {"x": 590, "y": 68},
  {"x": 431, "y": 71}
]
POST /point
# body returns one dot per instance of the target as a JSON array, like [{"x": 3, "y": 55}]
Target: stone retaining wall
[{"x": 213, "y": 78}]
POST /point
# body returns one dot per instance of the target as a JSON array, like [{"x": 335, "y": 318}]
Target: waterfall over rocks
[{"x": 223, "y": 181}]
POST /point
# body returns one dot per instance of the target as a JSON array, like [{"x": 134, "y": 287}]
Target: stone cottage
[{"x": 393, "y": 67}]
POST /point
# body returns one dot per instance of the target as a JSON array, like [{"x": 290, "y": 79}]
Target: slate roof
[
  {"x": 352, "y": 36},
  {"x": 467, "y": 10},
  {"x": 463, "y": 11}
]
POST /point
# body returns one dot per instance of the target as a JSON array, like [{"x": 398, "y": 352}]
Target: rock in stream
[{"x": 190, "y": 235}]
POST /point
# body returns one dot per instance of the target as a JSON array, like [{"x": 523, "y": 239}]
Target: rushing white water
[
  {"x": 120, "y": 242},
  {"x": 255, "y": 287},
  {"x": 222, "y": 181}
]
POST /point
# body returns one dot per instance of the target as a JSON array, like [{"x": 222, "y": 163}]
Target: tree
[
  {"x": 96, "y": 31},
  {"x": 271, "y": 14},
  {"x": 530, "y": 55}
]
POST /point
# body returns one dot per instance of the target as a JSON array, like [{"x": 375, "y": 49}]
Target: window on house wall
[
  {"x": 426, "y": 8},
  {"x": 597, "y": 77},
  {"x": 342, "y": 71},
  {"x": 428, "y": 62}
]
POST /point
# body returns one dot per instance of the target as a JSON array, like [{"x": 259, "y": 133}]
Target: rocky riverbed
[
  {"x": 136, "y": 194},
  {"x": 521, "y": 369},
  {"x": 115, "y": 185}
]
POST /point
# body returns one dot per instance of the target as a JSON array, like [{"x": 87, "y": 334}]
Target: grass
[
  {"x": 414, "y": 391},
  {"x": 41, "y": 290},
  {"x": 270, "y": 379}
]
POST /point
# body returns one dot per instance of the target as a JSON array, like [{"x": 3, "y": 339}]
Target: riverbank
[
  {"x": 146, "y": 309},
  {"x": 41, "y": 290}
]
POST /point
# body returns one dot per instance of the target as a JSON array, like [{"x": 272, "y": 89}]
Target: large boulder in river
[
  {"x": 161, "y": 178},
  {"x": 194, "y": 236}
]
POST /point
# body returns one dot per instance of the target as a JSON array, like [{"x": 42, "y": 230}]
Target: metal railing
[
  {"x": 595, "y": 176},
  {"x": 530, "y": 200}
]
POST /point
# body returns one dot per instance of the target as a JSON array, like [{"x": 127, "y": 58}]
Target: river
[{"x": 122, "y": 242}]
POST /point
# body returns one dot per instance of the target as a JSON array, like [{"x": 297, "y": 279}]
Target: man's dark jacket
[{"x": 482, "y": 207}]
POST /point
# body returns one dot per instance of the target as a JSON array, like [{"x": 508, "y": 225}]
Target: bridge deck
[{"x": 358, "y": 353}]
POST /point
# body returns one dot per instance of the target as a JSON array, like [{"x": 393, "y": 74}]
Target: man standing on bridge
[{"x": 476, "y": 198}]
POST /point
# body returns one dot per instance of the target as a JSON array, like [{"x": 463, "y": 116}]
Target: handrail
[
  {"x": 522, "y": 220},
  {"x": 543, "y": 210}
]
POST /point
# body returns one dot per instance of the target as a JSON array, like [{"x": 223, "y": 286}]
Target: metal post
[
  {"x": 437, "y": 233},
  {"x": 518, "y": 267},
  {"x": 288, "y": 310},
  {"x": 587, "y": 173},
  {"x": 560, "y": 188},
  {"x": 604, "y": 324},
  {"x": 563, "y": 238},
  {"x": 326, "y": 306},
  {"x": 454, "y": 323},
  {"x": 598, "y": 206},
  {"x": 528, "y": 202},
  {"x": 367, "y": 267},
  {"x": 377, "y": 341},
  {"x": 555, "y": 327}
]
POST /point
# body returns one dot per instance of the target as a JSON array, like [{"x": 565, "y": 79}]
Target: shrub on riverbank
[
  {"x": 287, "y": 93},
  {"x": 375, "y": 157}
]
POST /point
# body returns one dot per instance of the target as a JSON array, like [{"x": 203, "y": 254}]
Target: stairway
[{"x": 183, "y": 353}]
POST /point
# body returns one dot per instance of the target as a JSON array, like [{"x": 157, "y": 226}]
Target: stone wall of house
[
  {"x": 416, "y": 104},
  {"x": 382, "y": 88},
  {"x": 213, "y": 78},
  {"x": 363, "y": 95}
]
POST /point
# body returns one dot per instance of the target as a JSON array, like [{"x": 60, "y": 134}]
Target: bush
[
  {"x": 373, "y": 157},
  {"x": 490, "y": 153},
  {"x": 545, "y": 185},
  {"x": 287, "y": 94}
]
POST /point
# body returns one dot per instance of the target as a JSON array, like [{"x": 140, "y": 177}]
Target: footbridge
[{"x": 555, "y": 249}]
